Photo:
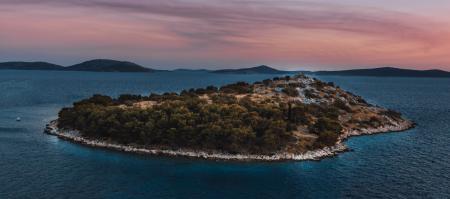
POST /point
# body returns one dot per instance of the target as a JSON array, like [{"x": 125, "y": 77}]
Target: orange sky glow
[{"x": 167, "y": 34}]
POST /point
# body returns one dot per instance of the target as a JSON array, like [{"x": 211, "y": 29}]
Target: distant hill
[
  {"x": 96, "y": 65},
  {"x": 29, "y": 66},
  {"x": 106, "y": 65},
  {"x": 254, "y": 70},
  {"x": 387, "y": 72},
  {"x": 191, "y": 70}
]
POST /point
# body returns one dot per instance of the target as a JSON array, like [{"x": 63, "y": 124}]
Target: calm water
[{"x": 412, "y": 164}]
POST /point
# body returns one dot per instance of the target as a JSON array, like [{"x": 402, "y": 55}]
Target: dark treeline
[{"x": 186, "y": 121}]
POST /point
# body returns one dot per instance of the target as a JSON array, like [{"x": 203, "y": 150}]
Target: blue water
[{"x": 411, "y": 164}]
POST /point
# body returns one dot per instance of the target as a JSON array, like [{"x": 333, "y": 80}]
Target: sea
[{"x": 409, "y": 164}]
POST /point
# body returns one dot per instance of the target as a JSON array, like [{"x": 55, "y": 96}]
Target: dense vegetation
[{"x": 186, "y": 120}]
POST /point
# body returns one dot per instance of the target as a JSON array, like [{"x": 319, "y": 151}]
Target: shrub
[
  {"x": 128, "y": 97},
  {"x": 393, "y": 114},
  {"x": 239, "y": 88},
  {"x": 267, "y": 82},
  {"x": 96, "y": 99},
  {"x": 326, "y": 138},
  {"x": 325, "y": 124},
  {"x": 310, "y": 94},
  {"x": 290, "y": 91},
  {"x": 342, "y": 105}
]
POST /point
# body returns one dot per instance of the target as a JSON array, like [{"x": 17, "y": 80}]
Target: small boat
[{"x": 18, "y": 119}]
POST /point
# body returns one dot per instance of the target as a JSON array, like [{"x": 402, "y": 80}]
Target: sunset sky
[{"x": 167, "y": 34}]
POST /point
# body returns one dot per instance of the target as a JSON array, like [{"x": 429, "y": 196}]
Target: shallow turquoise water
[{"x": 411, "y": 164}]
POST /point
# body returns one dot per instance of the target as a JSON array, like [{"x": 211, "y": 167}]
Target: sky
[{"x": 213, "y": 34}]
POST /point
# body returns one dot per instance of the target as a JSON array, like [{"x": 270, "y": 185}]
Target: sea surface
[{"x": 411, "y": 164}]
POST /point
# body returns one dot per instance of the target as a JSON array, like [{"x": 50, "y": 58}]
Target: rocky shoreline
[{"x": 318, "y": 154}]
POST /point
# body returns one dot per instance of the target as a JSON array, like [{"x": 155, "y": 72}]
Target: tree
[
  {"x": 291, "y": 91},
  {"x": 325, "y": 124},
  {"x": 326, "y": 138},
  {"x": 96, "y": 99}
]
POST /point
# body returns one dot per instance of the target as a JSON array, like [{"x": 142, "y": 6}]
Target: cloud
[
  {"x": 248, "y": 29},
  {"x": 214, "y": 20}
]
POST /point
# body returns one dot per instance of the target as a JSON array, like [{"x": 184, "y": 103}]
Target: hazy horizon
[
  {"x": 197, "y": 34},
  {"x": 235, "y": 67}
]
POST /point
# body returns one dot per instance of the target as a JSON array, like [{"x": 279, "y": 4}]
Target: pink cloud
[{"x": 199, "y": 32}]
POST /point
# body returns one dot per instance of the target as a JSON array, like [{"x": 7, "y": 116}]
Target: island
[
  {"x": 108, "y": 65},
  {"x": 20, "y": 65},
  {"x": 95, "y": 65},
  {"x": 387, "y": 72},
  {"x": 263, "y": 69},
  {"x": 284, "y": 118}
]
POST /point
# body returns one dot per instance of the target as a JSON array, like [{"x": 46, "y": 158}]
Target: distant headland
[
  {"x": 263, "y": 69},
  {"x": 284, "y": 118},
  {"x": 108, "y": 65},
  {"x": 96, "y": 65},
  {"x": 386, "y": 72}
]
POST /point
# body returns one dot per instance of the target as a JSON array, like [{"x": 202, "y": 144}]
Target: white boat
[{"x": 18, "y": 119}]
